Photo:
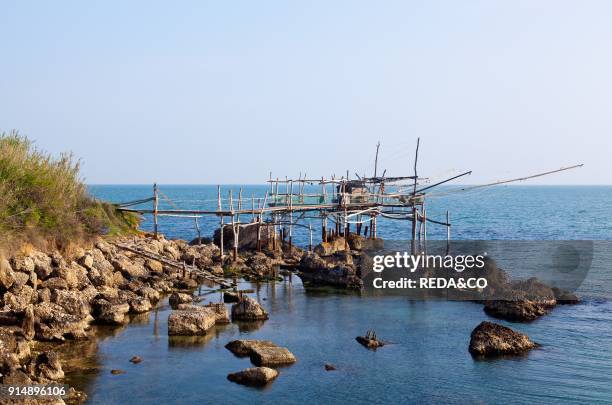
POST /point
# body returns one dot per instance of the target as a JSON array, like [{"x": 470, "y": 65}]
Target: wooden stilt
[{"x": 155, "y": 205}]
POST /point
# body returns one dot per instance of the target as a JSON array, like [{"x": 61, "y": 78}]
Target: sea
[{"x": 427, "y": 360}]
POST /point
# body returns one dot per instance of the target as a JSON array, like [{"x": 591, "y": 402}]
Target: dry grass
[{"x": 42, "y": 198}]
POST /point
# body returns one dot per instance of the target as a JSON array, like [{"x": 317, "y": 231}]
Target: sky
[{"x": 228, "y": 91}]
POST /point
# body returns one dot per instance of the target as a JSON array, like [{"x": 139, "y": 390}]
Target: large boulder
[
  {"x": 190, "y": 322},
  {"x": 55, "y": 324},
  {"x": 247, "y": 237},
  {"x": 72, "y": 301},
  {"x": 111, "y": 311},
  {"x": 491, "y": 339},
  {"x": 331, "y": 270},
  {"x": 255, "y": 376},
  {"x": 515, "y": 311},
  {"x": 248, "y": 309}
]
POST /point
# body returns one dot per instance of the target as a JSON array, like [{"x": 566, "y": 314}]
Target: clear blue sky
[{"x": 226, "y": 91}]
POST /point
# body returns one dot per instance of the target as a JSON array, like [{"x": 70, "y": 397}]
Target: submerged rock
[
  {"x": 256, "y": 376},
  {"x": 190, "y": 322},
  {"x": 248, "y": 309},
  {"x": 329, "y": 367},
  {"x": 491, "y": 339}
]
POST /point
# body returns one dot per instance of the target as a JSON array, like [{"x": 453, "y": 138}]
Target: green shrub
[{"x": 43, "y": 197}]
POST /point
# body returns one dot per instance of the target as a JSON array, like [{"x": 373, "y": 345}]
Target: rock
[
  {"x": 128, "y": 268},
  {"x": 340, "y": 273},
  {"x": 247, "y": 239},
  {"x": 245, "y": 347},
  {"x": 516, "y": 311},
  {"x": 55, "y": 283},
  {"x": 271, "y": 356},
  {"x": 491, "y": 339},
  {"x": 72, "y": 301},
  {"x": 154, "y": 266},
  {"x": 87, "y": 261},
  {"x": 55, "y": 324},
  {"x": 221, "y": 315},
  {"x": 338, "y": 244},
  {"x": 231, "y": 296},
  {"x": 190, "y": 323},
  {"x": 19, "y": 280},
  {"x": 139, "y": 305},
  {"x": 28, "y": 323},
  {"x": 44, "y": 295},
  {"x": 177, "y": 298},
  {"x": 247, "y": 309},
  {"x": 200, "y": 241},
  {"x": 42, "y": 265},
  {"x": 135, "y": 359},
  {"x": 149, "y": 293},
  {"x": 24, "y": 264},
  {"x": 171, "y": 252},
  {"x": 329, "y": 367},
  {"x": 565, "y": 297},
  {"x": 47, "y": 365},
  {"x": 356, "y": 242},
  {"x": 117, "y": 372},
  {"x": 8, "y": 349},
  {"x": 256, "y": 376},
  {"x": 110, "y": 312},
  {"x": 7, "y": 276},
  {"x": 216, "y": 270},
  {"x": 21, "y": 299},
  {"x": 186, "y": 284}
]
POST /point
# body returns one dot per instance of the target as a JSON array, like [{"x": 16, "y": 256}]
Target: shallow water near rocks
[{"x": 428, "y": 360}]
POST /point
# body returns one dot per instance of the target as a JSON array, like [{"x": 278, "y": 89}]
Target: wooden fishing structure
[{"x": 343, "y": 206}]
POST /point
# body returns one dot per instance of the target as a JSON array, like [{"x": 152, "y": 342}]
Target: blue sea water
[{"x": 428, "y": 361}]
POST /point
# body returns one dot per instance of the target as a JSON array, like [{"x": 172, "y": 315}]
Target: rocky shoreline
[
  {"x": 54, "y": 298},
  {"x": 50, "y": 299}
]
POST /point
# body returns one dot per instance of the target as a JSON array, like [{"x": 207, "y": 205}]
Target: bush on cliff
[{"x": 42, "y": 198}]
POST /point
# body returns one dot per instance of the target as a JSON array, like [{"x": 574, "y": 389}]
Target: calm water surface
[{"x": 428, "y": 361}]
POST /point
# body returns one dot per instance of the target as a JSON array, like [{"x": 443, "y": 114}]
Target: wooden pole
[
  {"x": 219, "y": 207},
  {"x": 310, "y": 240},
  {"x": 197, "y": 225},
  {"x": 155, "y": 205},
  {"x": 291, "y": 216},
  {"x": 414, "y": 208},
  {"x": 235, "y": 247}
]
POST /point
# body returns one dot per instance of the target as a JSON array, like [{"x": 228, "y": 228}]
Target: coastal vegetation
[{"x": 43, "y": 198}]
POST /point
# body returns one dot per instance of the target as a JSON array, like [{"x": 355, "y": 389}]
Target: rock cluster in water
[{"x": 264, "y": 354}]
